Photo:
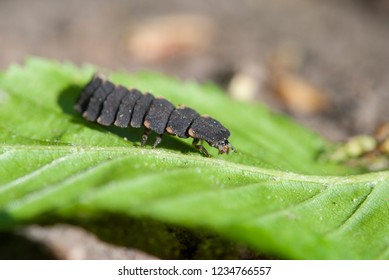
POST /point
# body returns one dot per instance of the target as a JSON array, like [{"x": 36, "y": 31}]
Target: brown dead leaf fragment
[
  {"x": 165, "y": 37},
  {"x": 382, "y": 132},
  {"x": 382, "y": 136},
  {"x": 298, "y": 95}
]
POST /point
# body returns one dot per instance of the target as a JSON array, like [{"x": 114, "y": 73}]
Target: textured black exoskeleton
[{"x": 103, "y": 102}]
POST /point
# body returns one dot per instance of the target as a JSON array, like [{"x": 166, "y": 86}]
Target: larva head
[
  {"x": 211, "y": 131},
  {"x": 224, "y": 146}
]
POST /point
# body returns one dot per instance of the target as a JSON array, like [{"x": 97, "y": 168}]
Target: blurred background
[{"x": 324, "y": 62}]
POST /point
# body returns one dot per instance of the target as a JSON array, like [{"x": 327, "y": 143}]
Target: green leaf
[{"x": 271, "y": 195}]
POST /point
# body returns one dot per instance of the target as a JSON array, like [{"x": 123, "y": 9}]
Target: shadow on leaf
[{"x": 68, "y": 97}]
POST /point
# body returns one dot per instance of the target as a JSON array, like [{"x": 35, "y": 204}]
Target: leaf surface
[{"x": 272, "y": 194}]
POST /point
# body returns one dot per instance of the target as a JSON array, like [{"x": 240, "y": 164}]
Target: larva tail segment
[{"x": 83, "y": 99}]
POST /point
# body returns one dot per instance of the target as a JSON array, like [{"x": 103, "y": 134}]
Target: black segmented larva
[{"x": 103, "y": 102}]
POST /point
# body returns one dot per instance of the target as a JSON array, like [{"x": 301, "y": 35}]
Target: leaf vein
[
  {"x": 354, "y": 214},
  {"x": 34, "y": 173}
]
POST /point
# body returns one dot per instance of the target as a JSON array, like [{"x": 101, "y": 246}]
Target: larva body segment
[
  {"x": 158, "y": 115},
  {"x": 111, "y": 106},
  {"x": 103, "y": 102},
  {"x": 126, "y": 107},
  {"x": 142, "y": 105},
  {"x": 180, "y": 121}
]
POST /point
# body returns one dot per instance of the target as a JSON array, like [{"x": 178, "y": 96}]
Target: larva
[{"x": 103, "y": 102}]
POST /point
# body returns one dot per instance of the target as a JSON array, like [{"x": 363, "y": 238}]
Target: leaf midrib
[{"x": 372, "y": 178}]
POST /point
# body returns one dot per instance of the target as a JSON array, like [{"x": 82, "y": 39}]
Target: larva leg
[
  {"x": 157, "y": 141},
  {"x": 144, "y": 137},
  {"x": 200, "y": 147}
]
